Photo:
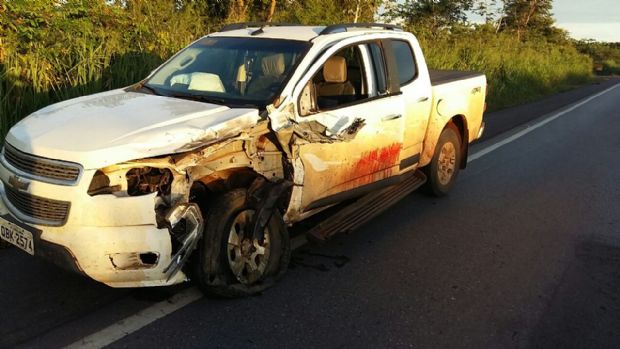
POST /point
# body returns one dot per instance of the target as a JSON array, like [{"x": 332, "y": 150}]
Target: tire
[
  {"x": 229, "y": 265},
  {"x": 444, "y": 168}
]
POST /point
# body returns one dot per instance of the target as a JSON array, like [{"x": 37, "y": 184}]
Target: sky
[{"x": 588, "y": 19}]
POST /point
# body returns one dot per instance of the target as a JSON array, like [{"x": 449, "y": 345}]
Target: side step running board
[{"x": 366, "y": 208}]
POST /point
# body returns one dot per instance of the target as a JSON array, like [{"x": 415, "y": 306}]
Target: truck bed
[{"x": 439, "y": 77}]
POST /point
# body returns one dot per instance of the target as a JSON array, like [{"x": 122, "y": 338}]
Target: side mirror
[{"x": 307, "y": 100}]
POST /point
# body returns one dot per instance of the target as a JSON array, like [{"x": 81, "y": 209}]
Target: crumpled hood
[{"x": 111, "y": 127}]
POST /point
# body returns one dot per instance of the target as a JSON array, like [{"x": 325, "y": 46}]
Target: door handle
[
  {"x": 422, "y": 99},
  {"x": 391, "y": 117}
]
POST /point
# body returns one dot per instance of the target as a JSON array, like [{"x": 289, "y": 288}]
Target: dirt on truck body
[{"x": 199, "y": 170}]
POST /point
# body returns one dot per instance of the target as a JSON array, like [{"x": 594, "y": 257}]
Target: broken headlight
[
  {"x": 146, "y": 180},
  {"x": 135, "y": 181}
]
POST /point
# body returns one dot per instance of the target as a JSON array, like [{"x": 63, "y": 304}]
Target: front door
[{"x": 352, "y": 89}]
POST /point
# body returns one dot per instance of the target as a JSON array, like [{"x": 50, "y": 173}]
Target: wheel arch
[
  {"x": 460, "y": 122},
  {"x": 207, "y": 189}
]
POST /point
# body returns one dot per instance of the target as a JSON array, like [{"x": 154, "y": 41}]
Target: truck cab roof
[{"x": 302, "y": 32}]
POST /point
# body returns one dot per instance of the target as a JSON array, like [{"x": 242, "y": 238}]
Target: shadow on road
[
  {"x": 37, "y": 297},
  {"x": 584, "y": 311}
]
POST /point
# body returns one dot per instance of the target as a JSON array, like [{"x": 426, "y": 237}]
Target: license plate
[{"x": 16, "y": 235}]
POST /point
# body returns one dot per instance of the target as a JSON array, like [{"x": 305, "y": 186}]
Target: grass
[
  {"x": 71, "y": 57},
  {"x": 31, "y": 82},
  {"x": 50, "y": 53},
  {"x": 517, "y": 72}
]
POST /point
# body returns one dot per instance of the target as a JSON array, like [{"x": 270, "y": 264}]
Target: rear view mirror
[{"x": 307, "y": 100}]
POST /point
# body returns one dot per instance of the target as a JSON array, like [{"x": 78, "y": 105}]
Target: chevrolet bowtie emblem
[{"x": 19, "y": 183}]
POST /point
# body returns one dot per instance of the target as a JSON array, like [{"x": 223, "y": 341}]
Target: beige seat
[
  {"x": 272, "y": 67},
  {"x": 199, "y": 82},
  {"x": 336, "y": 80}
]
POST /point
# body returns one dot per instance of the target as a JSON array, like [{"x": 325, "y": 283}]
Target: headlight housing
[{"x": 134, "y": 181}]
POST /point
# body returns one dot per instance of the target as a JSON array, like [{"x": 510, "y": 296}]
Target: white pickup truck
[{"x": 201, "y": 169}]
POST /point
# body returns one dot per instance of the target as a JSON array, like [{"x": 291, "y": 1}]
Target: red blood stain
[{"x": 374, "y": 161}]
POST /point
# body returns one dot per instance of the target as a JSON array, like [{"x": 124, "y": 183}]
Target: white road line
[
  {"x": 157, "y": 311},
  {"x": 530, "y": 128},
  {"x": 139, "y": 320}
]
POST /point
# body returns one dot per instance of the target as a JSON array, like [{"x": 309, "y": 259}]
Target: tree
[
  {"x": 324, "y": 12},
  {"x": 218, "y": 12},
  {"x": 272, "y": 11},
  {"x": 527, "y": 16},
  {"x": 215, "y": 13},
  {"x": 432, "y": 15},
  {"x": 490, "y": 10}
]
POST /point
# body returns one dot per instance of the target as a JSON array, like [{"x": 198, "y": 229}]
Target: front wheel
[
  {"x": 232, "y": 263},
  {"x": 446, "y": 162}
]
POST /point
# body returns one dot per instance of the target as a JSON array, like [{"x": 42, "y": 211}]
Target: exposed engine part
[
  {"x": 146, "y": 180},
  {"x": 186, "y": 226}
]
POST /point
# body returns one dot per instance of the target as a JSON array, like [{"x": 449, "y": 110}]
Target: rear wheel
[
  {"x": 232, "y": 263},
  {"x": 446, "y": 162}
]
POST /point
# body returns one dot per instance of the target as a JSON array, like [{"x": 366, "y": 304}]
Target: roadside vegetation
[
  {"x": 606, "y": 56},
  {"x": 55, "y": 50},
  {"x": 518, "y": 72}
]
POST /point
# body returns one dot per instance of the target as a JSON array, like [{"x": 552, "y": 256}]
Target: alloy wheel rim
[
  {"x": 446, "y": 164},
  {"x": 247, "y": 257}
]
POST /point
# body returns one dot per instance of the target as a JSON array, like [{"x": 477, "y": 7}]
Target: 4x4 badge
[{"x": 18, "y": 183}]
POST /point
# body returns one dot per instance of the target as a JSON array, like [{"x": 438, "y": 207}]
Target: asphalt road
[{"x": 525, "y": 252}]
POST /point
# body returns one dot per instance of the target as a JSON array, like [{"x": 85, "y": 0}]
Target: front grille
[
  {"x": 40, "y": 210},
  {"x": 48, "y": 170}
]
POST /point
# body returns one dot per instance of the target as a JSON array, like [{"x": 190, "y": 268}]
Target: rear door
[
  {"x": 365, "y": 155},
  {"x": 414, "y": 83}
]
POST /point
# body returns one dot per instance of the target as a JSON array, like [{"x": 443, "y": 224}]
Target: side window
[
  {"x": 378, "y": 64},
  {"x": 405, "y": 63},
  {"x": 340, "y": 81}
]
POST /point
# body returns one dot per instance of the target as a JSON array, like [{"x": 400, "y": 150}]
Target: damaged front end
[
  {"x": 264, "y": 159},
  {"x": 183, "y": 186},
  {"x": 186, "y": 226}
]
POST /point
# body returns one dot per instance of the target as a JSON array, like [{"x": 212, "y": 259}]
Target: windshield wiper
[
  {"x": 200, "y": 98},
  {"x": 247, "y": 105},
  {"x": 232, "y": 103}
]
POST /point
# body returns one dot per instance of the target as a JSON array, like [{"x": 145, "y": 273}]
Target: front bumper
[
  {"x": 113, "y": 240},
  {"x": 51, "y": 252}
]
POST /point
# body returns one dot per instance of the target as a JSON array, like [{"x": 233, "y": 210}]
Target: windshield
[{"x": 229, "y": 70}]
